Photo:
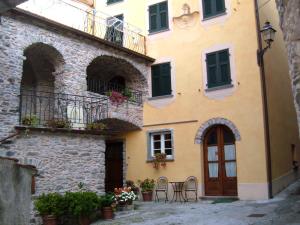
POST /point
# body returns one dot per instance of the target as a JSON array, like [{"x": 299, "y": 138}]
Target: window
[
  {"x": 114, "y": 31},
  {"x": 218, "y": 69},
  {"x": 113, "y": 1},
  {"x": 158, "y": 17},
  {"x": 213, "y": 7},
  {"x": 161, "y": 142},
  {"x": 161, "y": 79}
]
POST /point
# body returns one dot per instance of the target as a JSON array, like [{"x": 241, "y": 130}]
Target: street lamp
[{"x": 268, "y": 34}]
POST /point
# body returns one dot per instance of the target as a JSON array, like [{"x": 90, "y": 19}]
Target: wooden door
[
  {"x": 220, "y": 162},
  {"x": 113, "y": 166}
]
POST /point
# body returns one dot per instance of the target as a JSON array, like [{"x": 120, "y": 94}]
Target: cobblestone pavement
[{"x": 284, "y": 209}]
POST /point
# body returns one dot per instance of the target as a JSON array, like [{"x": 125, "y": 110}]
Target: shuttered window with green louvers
[
  {"x": 158, "y": 17},
  {"x": 213, "y": 8},
  {"x": 218, "y": 68},
  {"x": 161, "y": 79}
]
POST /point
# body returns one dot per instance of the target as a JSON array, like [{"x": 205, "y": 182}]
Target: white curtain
[
  {"x": 230, "y": 169},
  {"x": 213, "y": 169},
  {"x": 229, "y": 152},
  {"x": 230, "y": 155},
  {"x": 213, "y": 153}
]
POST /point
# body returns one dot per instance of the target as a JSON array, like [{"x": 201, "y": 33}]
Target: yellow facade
[{"x": 190, "y": 106}]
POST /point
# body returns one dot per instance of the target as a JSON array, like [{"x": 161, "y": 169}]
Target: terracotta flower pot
[
  {"x": 84, "y": 220},
  {"x": 107, "y": 213},
  {"x": 50, "y": 220},
  {"x": 147, "y": 196}
]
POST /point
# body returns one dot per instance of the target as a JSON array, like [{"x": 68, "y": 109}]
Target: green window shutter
[
  {"x": 207, "y": 8},
  {"x": 155, "y": 71},
  {"x": 163, "y": 15},
  {"x": 220, "y": 6},
  {"x": 211, "y": 62},
  {"x": 218, "y": 68},
  {"x": 213, "y": 7},
  {"x": 158, "y": 17},
  {"x": 153, "y": 9},
  {"x": 224, "y": 67},
  {"x": 113, "y": 1},
  {"x": 165, "y": 79},
  {"x": 161, "y": 79}
]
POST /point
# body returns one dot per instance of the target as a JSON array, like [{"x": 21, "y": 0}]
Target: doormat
[
  {"x": 224, "y": 200},
  {"x": 257, "y": 215}
]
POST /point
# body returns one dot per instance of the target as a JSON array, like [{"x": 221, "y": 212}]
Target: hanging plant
[{"x": 159, "y": 159}]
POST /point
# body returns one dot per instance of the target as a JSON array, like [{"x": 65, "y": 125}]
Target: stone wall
[
  {"x": 289, "y": 12},
  {"x": 15, "y": 192},
  {"x": 71, "y": 53},
  {"x": 63, "y": 160}
]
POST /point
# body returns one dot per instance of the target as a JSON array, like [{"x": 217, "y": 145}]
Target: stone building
[
  {"x": 55, "y": 83},
  {"x": 289, "y": 13}
]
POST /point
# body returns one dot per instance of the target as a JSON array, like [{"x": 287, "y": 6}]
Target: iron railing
[
  {"x": 47, "y": 109},
  {"x": 86, "y": 19},
  {"x": 105, "y": 88}
]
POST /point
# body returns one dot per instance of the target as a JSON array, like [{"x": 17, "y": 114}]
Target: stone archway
[
  {"x": 105, "y": 68},
  {"x": 216, "y": 121}
]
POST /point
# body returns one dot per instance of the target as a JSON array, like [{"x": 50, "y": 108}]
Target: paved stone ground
[{"x": 284, "y": 209}]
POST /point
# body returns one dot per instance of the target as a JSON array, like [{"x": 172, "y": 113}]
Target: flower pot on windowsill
[
  {"x": 147, "y": 196},
  {"x": 50, "y": 220},
  {"x": 107, "y": 213}
]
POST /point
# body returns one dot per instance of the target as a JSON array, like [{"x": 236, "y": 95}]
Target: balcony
[
  {"x": 98, "y": 114},
  {"x": 84, "y": 18}
]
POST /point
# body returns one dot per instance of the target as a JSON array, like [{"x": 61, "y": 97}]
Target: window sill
[
  {"x": 113, "y": 3},
  {"x": 152, "y": 160},
  {"x": 214, "y": 16},
  {"x": 160, "y": 97},
  {"x": 226, "y": 86},
  {"x": 158, "y": 31}
]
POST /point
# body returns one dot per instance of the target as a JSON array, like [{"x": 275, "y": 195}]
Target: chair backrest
[
  {"x": 191, "y": 183},
  {"x": 162, "y": 183}
]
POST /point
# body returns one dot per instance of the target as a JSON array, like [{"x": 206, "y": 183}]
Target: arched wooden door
[{"x": 220, "y": 162}]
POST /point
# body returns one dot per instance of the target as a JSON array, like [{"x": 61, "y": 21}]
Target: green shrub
[
  {"x": 50, "y": 204},
  {"x": 82, "y": 203},
  {"x": 107, "y": 200}
]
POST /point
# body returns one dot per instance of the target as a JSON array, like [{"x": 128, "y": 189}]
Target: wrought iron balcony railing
[
  {"x": 56, "y": 110},
  {"x": 105, "y": 88},
  {"x": 86, "y": 19}
]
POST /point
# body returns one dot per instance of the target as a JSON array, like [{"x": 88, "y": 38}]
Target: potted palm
[
  {"x": 50, "y": 207},
  {"x": 147, "y": 187},
  {"x": 106, "y": 202}
]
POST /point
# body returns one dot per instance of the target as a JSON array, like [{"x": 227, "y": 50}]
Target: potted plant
[
  {"x": 50, "y": 207},
  {"x": 59, "y": 123},
  {"x": 159, "y": 160},
  {"x": 147, "y": 187},
  {"x": 95, "y": 126},
  {"x": 31, "y": 120},
  {"x": 134, "y": 188},
  {"x": 106, "y": 202},
  {"x": 124, "y": 197},
  {"x": 116, "y": 98},
  {"x": 82, "y": 205}
]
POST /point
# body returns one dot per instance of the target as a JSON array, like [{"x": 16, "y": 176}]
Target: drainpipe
[{"x": 265, "y": 102}]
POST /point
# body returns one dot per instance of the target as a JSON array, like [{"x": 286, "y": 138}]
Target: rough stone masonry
[{"x": 289, "y": 12}]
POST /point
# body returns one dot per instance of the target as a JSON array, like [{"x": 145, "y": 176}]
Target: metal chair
[
  {"x": 191, "y": 185},
  {"x": 161, "y": 186}
]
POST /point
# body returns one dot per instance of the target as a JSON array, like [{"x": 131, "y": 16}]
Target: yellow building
[{"x": 206, "y": 106}]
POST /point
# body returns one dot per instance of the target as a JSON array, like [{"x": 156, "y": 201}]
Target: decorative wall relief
[{"x": 187, "y": 19}]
